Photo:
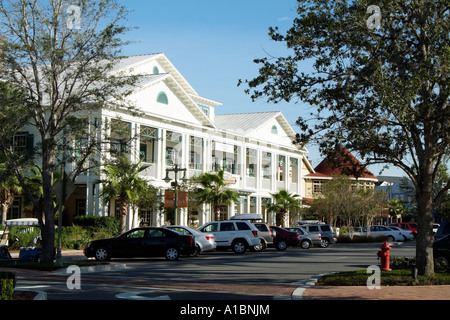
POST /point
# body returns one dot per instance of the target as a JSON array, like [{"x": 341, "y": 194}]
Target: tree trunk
[
  {"x": 123, "y": 214},
  {"x": 424, "y": 243},
  {"x": 48, "y": 225}
]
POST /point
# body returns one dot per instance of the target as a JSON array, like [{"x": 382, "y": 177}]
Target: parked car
[
  {"x": 410, "y": 226},
  {"x": 375, "y": 231},
  {"x": 325, "y": 230},
  {"x": 142, "y": 242},
  {"x": 407, "y": 235},
  {"x": 441, "y": 254},
  {"x": 264, "y": 231},
  {"x": 265, "y": 236},
  {"x": 284, "y": 238},
  {"x": 444, "y": 229},
  {"x": 307, "y": 239},
  {"x": 203, "y": 241},
  {"x": 239, "y": 235}
]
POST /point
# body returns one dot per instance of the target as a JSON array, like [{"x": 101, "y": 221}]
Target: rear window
[
  {"x": 243, "y": 226},
  {"x": 261, "y": 227}
]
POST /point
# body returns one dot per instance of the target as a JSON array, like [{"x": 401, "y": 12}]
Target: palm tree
[
  {"x": 283, "y": 202},
  {"x": 123, "y": 182},
  {"x": 214, "y": 190}
]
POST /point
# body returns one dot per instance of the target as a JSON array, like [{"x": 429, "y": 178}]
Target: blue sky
[{"x": 213, "y": 44}]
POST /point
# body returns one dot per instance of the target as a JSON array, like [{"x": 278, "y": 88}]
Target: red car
[
  {"x": 284, "y": 238},
  {"x": 410, "y": 226}
]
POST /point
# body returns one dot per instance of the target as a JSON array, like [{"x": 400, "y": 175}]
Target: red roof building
[{"x": 344, "y": 163}]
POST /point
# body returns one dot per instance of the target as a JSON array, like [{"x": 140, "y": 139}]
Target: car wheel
[
  {"x": 325, "y": 243},
  {"x": 391, "y": 238},
  {"x": 239, "y": 246},
  {"x": 282, "y": 245},
  {"x": 441, "y": 265},
  {"x": 197, "y": 251},
  {"x": 305, "y": 244},
  {"x": 172, "y": 254},
  {"x": 102, "y": 254},
  {"x": 260, "y": 247}
]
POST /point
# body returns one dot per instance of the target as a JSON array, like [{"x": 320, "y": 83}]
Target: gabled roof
[
  {"x": 343, "y": 164},
  {"x": 172, "y": 78}
]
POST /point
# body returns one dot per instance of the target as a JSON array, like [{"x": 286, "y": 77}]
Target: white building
[{"x": 178, "y": 126}]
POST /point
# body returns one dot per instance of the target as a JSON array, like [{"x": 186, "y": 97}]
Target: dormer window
[{"x": 162, "y": 98}]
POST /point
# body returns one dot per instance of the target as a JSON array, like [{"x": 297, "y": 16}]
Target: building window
[
  {"x": 267, "y": 165},
  {"x": 281, "y": 168},
  {"x": 225, "y": 156},
  {"x": 251, "y": 162},
  {"x": 274, "y": 130},
  {"x": 162, "y": 98},
  {"x": 317, "y": 186},
  {"x": 120, "y": 136},
  {"x": 147, "y": 146},
  {"x": 173, "y": 148},
  {"x": 155, "y": 70},
  {"x": 23, "y": 142},
  {"x": 293, "y": 171},
  {"x": 196, "y": 153}
]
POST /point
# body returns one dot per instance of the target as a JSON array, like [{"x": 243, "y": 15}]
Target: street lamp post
[{"x": 175, "y": 185}]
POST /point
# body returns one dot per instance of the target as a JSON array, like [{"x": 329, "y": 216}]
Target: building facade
[{"x": 177, "y": 126}]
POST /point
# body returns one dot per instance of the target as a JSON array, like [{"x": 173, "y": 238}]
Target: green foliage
[
  {"x": 382, "y": 92},
  {"x": 25, "y": 235},
  {"x": 212, "y": 189},
  {"x": 283, "y": 201},
  {"x": 388, "y": 278},
  {"x": 7, "y": 284},
  {"x": 97, "y": 224}
]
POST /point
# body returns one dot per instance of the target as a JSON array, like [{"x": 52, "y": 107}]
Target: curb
[
  {"x": 41, "y": 295},
  {"x": 297, "y": 294}
]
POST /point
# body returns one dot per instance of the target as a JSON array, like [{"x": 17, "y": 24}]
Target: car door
[
  {"x": 155, "y": 242},
  {"x": 130, "y": 244},
  {"x": 227, "y": 232}
]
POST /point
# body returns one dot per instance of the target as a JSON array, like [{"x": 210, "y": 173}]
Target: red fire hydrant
[{"x": 384, "y": 256}]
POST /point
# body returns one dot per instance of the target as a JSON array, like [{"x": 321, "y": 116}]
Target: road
[{"x": 221, "y": 275}]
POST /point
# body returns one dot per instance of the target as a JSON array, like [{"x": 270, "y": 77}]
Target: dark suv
[{"x": 443, "y": 230}]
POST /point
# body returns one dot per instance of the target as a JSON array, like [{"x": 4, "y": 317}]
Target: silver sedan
[{"x": 204, "y": 241}]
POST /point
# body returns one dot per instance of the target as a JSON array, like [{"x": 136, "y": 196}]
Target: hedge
[{"x": 7, "y": 284}]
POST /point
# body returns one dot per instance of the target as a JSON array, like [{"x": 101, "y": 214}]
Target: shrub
[
  {"x": 360, "y": 239},
  {"x": 7, "y": 284},
  {"x": 75, "y": 237},
  {"x": 107, "y": 224},
  {"x": 25, "y": 236}
]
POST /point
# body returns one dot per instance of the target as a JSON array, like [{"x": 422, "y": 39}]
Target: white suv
[{"x": 237, "y": 235}]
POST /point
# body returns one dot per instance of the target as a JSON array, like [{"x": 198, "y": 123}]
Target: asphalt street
[{"x": 221, "y": 275}]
